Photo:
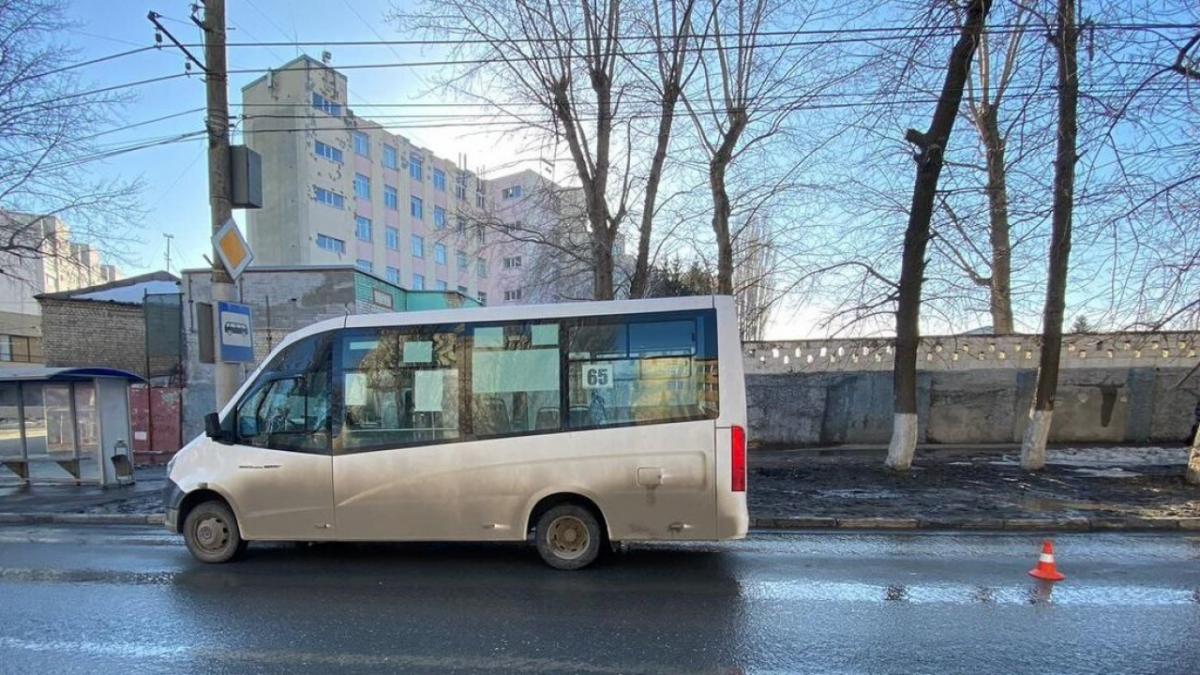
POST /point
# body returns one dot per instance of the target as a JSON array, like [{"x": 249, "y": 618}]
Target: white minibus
[{"x": 580, "y": 425}]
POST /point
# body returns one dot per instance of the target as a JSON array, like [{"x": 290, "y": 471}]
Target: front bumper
[{"x": 172, "y": 499}]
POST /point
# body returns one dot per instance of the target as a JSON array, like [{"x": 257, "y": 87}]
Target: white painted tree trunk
[
  {"x": 1033, "y": 446},
  {"x": 903, "y": 443},
  {"x": 1193, "y": 467}
]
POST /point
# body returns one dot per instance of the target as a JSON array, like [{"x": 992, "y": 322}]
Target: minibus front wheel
[
  {"x": 568, "y": 537},
  {"x": 211, "y": 532}
]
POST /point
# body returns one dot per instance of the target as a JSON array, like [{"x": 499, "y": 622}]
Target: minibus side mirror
[{"x": 212, "y": 428}]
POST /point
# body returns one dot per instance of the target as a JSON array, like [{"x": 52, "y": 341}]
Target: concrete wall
[{"x": 843, "y": 395}]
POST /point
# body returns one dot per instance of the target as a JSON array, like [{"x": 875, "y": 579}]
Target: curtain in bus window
[
  {"x": 515, "y": 379},
  {"x": 640, "y": 371},
  {"x": 400, "y": 387}
]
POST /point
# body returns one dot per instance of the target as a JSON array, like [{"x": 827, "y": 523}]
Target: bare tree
[
  {"x": 49, "y": 130},
  {"x": 930, "y": 145},
  {"x": 674, "y": 66},
  {"x": 569, "y": 73},
  {"x": 748, "y": 89},
  {"x": 1066, "y": 37},
  {"x": 993, "y": 83}
]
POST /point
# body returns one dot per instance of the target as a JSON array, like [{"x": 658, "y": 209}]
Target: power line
[
  {"x": 866, "y": 102},
  {"x": 82, "y": 64},
  {"x": 907, "y": 31},
  {"x": 114, "y": 152},
  {"x": 499, "y": 105},
  {"x": 91, "y": 92},
  {"x": 907, "y": 34},
  {"x": 537, "y": 59}
]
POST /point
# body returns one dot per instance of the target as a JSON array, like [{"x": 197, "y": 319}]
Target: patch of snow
[
  {"x": 1110, "y": 472},
  {"x": 1116, "y": 456},
  {"x": 131, "y": 294}
]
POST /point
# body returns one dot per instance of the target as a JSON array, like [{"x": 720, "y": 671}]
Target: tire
[
  {"x": 211, "y": 533},
  {"x": 568, "y": 537}
]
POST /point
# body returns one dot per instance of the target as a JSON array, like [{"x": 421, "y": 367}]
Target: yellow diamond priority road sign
[{"x": 232, "y": 248}]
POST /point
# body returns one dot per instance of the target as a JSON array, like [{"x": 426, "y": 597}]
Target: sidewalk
[
  {"x": 975, "y": 488},
  {"x": 981, "y": 488},
  {"x": 137, "y": 503}
]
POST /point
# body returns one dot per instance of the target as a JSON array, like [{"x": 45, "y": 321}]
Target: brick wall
[{"x": 90, "y": 333}]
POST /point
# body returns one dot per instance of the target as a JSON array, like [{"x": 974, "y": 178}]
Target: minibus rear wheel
[
  {"x": 568, "y": 537},
  {"x": 211, "y": 533}
]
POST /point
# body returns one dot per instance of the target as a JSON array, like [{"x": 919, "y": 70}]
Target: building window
[
  {"x": 481, "y": 268},
  {"x": 460, "y": 186},
  {"x": 325, "y": 105},
  {"x": 362, "y": 144},
  {"x": 391, "y": 159},
  {"x": 439, "y": 218},
  {"x": 512, "y": 296},
  {"x": 415, "y": 165},
  {"x": 461, "y": 226},
  {"x": 514, "y": 261},
  {"x": 393, "y": 275},
  {"x": 416, "y": 208},
  {"x": 418, "y": 282},
  {"x": 329, "y": 197},
  {"x": 479, "y": 199},
  {"x": 462, "y": 289},
  {"x": 328, "y": 243},
  {"x": 513, "y": 192},
  {"x": 364, "y": 265},
  {"x": 482, "y": 298},
  {"x": 20, "y": 349},
  {"x": 460, "y": 257},
  {"x": 327, "y": 151},
  {"x": 440, "y": 285},
  {"x": 418, "y": 246},
  {"x": 391, "y": 199},
  {"x": 362, "y": 186},
  {"x": 439, "y": 254},
  {"x": 362, "y": 228},
  {"x": 481, "y": 233},
  {"x": 439, "y": 180},
  {"x": 393, "y": 238}
]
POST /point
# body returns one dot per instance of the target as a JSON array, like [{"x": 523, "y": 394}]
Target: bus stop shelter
[{"x": 66, "y": 424}]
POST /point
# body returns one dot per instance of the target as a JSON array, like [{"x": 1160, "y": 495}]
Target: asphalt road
[{"x": 120, "y": 599}]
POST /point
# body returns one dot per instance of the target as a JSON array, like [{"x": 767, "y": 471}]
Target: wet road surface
[{"x": 123, "y": 599}]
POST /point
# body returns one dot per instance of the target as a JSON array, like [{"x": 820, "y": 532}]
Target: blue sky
[{"x": 176, "y": 188}]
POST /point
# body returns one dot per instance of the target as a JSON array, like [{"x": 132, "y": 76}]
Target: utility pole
[
  {"x": 226, "y": 375},
  {"x": 168, "y": 237}
]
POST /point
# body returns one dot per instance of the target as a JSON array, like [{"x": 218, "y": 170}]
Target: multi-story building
[
  {"x": 53, "y": 264},
  {"x": 340, "y": 189}
]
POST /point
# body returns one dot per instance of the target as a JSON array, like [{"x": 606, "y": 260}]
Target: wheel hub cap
[
  {"x": 567, "y": 537},
  {"x": 212, "y": 534}
]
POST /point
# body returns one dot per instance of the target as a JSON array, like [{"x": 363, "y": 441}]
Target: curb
[
  {"x": 1066, "y": 524},
  {"x": 82, "y": 518}
]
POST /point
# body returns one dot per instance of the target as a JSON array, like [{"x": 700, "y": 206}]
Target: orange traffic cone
[{"x": 1045, "y": 569}]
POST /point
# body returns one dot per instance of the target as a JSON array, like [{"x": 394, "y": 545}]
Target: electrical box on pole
[{"x": 245, "y": 175}]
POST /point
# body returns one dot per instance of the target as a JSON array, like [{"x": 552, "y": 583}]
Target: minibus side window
[
  {"x": 640, "y": 369},
  {"x": 399, "y": 386},
  {"x": 289, "y": 406},
  {"x": 515, "y": 386}
]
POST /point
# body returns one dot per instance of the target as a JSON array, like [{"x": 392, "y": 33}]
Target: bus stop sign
[{"x": 234, "y": 329}]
